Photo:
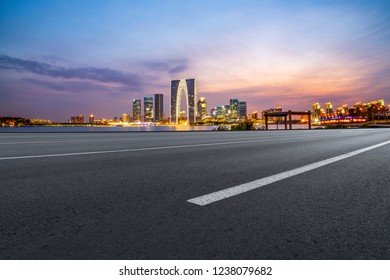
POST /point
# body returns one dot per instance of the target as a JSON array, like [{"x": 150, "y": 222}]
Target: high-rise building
[
  {"x": 148, "y": 109},
  {"x": 329, "y": 108},
  {"x": 136, "y": 110},
  {"x": 234, "y": 109},
  {"x": 77, "y": 119},
  {"x": 316, "y": 114},
  {"x": 158, "y": 107},
  {"x": 221, "y": 112},
  {"x": 242, "y": 109},
  {"x": 202, "y": 107},
  {"x": 91, "y": 118},
  {"x": 178, "y": 88},
  {"x": 126, "y": 118}
]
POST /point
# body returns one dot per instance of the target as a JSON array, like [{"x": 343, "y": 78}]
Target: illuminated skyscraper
[
  {"x": 316, "y": 114},
  {"x": 188, "y": 88},
  {"x": 158, "y": 107},
  {"x": 234, "y": 108},
  {"x": 202, "y": 107},
  {"x": 148, "y": 109},
  {"x": 329, "y": 108},
  {"x": 91, "y": 119},
  {"x": 242, "y": 109},
  {"x": 136, "y": 110}
]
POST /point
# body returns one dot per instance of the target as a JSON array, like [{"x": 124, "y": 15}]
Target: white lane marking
[
  {"x": 229, "y": 192},
  {"x": 156, "y": 148}
]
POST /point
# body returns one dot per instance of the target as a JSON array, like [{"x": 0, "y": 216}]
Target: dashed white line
[{"x": 233, "y": 191}]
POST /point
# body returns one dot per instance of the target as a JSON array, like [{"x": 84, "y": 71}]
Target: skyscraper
[
  {"x": 316, "y": 114},
  {"x": 242, "y": 109},
  {"x": 158, "y": 107},
  {"x": 329, "y": 108},
  {"x": 136, "y": 110},
  {"x": 234, "y": 108},
  {"x": 148, "y": 109},
  {"x": 188, "y": 88},
  {"x": 202, "y": 107}
]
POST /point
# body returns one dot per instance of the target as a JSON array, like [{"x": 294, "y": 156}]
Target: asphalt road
[{"x": 125, "y": 195}]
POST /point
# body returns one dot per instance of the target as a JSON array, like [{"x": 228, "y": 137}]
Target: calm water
[
  {"x": 103, "y": 129},
  {"x": 294, "y": 126},
  {"x": 123, "y": 129}
]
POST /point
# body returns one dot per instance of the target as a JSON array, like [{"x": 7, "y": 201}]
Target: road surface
[{"x": 133, "y": 195}]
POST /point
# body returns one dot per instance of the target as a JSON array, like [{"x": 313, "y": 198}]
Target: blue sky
[{"x": 62, "y": 58}]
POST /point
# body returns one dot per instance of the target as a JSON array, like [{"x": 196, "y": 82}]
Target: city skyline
[{"x": 59, "y": 59}]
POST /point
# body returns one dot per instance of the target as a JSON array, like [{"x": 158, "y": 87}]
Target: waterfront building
[
  {"x": 227, "y": 112},
  {"x": 136, "y": 110},
  {"x": 221, "y": 112},
  {"x": 77, "y": 119},
  {"x": 343, "y": 110},
  {"x": 234, "y": 109},
  {"x": 255, "y": 115},
  {"x": 202, "y": 107},
  {"x": 158, "y": 107},
  {"x": 188, "y": 88},
  {"x": 329, "y": 108},
  {"x": 242, "y": 109},
  {"x": 148, "y": 109},
  {"x": 316, "y": 113},
  {"x": 213, "y": 112},
  {"x": 126, "y": 118},
  {"x": 91, "y": 118}
]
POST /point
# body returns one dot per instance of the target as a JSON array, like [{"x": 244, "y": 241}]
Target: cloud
[
  {"x": 70, "y": 86},
  {"x": 105, "y": 75},
  {"x": 178, "y": 69},
  {"x": 172, "y": 67}
]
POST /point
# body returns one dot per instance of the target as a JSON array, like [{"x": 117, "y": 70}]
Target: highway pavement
[{"x": 130, "y": 195}]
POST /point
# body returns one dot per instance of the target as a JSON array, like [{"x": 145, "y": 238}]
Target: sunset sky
[{"x": 63, "y": 58}]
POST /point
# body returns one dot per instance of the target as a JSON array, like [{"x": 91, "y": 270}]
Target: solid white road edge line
[{"x": 229, "y": 192}]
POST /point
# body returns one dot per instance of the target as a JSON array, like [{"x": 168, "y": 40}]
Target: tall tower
[
  {"x": 136, "y": 110},
  {"x": 158, "y": 107},
  {"x": 188, "y": 88},
  {"x": 148, "y": 109}
]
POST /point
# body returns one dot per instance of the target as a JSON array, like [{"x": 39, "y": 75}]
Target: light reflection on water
[
  {"x": 294, "y": 126},
  {"x": 103, "y": 129},
  {"x": 126, "y": 129}
]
